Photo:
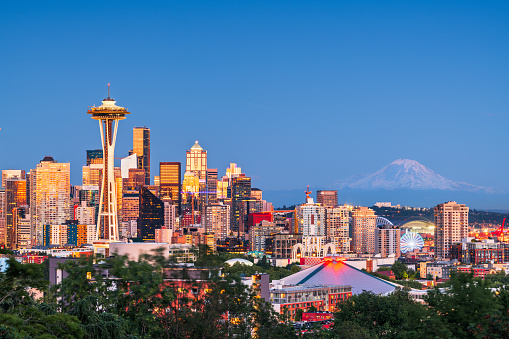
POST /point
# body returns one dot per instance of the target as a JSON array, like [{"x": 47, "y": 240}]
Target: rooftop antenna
[{"x": 108, "y": 90}]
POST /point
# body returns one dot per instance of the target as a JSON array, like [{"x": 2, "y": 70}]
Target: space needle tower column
[{"x": 108, "y": 115}]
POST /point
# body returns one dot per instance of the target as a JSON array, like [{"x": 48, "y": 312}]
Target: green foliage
[
  {"x": 399, "y": 269},
  {"x": 7, "y": 332},
  {"x": 466, "y": 304},
  {"x": 392, "y": 316},
  {"x": 298, "y": 314},
  {"x": 16, "y": 284}
]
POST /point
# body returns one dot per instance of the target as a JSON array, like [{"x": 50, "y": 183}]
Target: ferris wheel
[{"x": 411, "y": 241}]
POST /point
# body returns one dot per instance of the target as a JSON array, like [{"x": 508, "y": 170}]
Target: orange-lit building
[
  {"x": 15, "y": 197},
  {"x": 170, "y": 183},
  {"x": 362, "y": 230},
  {"x": 141, "y": 147}
]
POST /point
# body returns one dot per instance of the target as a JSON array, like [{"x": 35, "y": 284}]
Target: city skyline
[{"x": 389, "y": 81}]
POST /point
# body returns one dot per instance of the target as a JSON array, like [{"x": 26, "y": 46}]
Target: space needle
[{"x": 108, "y": 115}]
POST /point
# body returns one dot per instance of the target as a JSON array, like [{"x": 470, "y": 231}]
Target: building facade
[
  {"x": 362, "y": 230},
  {"x": 328, "y": 198},
  {"x": 170, "y": 183},
  {"x": 451, "y": 220},
  {"x": 338, "y": 227},
  {"x": 141, "y": 147},
  {"x": 151, "y": 215},
  {"x": 387, "y": 241},
  {"x": 217, "y": 220},
  {"x": 49, "y": 195}
]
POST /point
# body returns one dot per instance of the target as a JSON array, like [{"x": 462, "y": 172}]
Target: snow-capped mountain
[{"x": 405, "y": 173}]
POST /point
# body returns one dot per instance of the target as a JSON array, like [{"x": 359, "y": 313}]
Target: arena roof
[{"x": 336, "y": 272}]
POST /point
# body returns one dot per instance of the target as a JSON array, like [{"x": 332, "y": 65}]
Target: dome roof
[
  {"x": 196, "y": 146},
  {"x": 232, "y": 262}
]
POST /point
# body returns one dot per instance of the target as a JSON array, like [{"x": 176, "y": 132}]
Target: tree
[
  {"x": 467, "y": 303},
  {"x": 399, "y": 269},
  {"x": 392, "y": 316},
  {"x": 298, "y": 314}
]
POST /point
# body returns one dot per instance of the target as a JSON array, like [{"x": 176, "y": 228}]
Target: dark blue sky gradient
[{"x": 295, "y": 92}]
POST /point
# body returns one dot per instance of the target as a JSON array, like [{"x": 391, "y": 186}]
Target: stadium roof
[{"x": 336, "y": 272}]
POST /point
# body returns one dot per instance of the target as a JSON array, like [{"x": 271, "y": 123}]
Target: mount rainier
[{"x": 409, "y": 174}]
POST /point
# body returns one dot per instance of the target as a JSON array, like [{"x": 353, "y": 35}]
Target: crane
[{"x": 500, "y": 232}]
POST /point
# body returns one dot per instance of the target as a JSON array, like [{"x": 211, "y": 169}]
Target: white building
[
  {"x": 311, "y": 219},
  {"x": 127, "y": 163}
]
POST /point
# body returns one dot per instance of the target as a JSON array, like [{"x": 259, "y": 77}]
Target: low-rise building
[{"x": 323, "y": 298}]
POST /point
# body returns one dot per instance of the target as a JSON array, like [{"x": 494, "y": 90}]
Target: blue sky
[{"x": 295, "y": 92}]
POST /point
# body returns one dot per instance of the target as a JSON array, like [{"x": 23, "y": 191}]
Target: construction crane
[{"x": 500, "y": 232}]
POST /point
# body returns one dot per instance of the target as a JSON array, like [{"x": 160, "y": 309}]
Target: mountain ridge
[{"x": 407, "y": 174}]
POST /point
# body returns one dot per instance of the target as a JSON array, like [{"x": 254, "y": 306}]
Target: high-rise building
[
  {"x": 15, "y": 197},
  {"x": 338, "y": 227},
  {"x": 211, "y": 186},
  {"x": 135, "y": 179},
  {"x": 387, "y": 241},
  {"x": 170, "y": 183},
  {"x": 151, "y": 215},
  {"x": 241, "y": 191},
  {"x": 256, "y": 194},
  {"x": 94, "y": 156},
  {"x": 22, "y": 232},
  {"x": 85, "y": 214},
  {"x": 170, "y": 215},
  {"x": 311, "y": 219},
  {"x": 327, "y": 198},
  {"x": 3, "y": 208},
  {"x": 196, "y": 161},
  {"x": 141, "y": 147},
  {"x": 127, "y": 163},
  {"x": 50, "y": 195},
  {"x": 451, "y": 220},
  {"x": 92, "y": 174},
  {"x": 12, "y": 174},
  {"x": 130, "y": 208},
  {"x": 217, "y": 220},
  {"x": 108, "y": 115},
  {"x": 261, "y": 235},
  {"x": 362, "y": 230}
]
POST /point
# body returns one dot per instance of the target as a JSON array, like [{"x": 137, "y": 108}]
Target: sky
[{"x": 295, "y": 92}]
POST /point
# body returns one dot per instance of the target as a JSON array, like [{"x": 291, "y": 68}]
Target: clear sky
[{"x": 295, "y": 92}]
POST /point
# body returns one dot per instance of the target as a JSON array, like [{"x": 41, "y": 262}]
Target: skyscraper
[
  {"x": 94, "y": 156},
  {"x": 217, "y": 220},
  {"x": 211, "y": 186},
  {"x": 387, "y": 241},
  {"x": 141, "y": 147},
  {"x": 170, "y": 183},
  {"x": 338, "y": 227},
  {"x": 15, "y": 197},
  {"x": 3, "y": 208},
  {"x": 196, "y": 161},
  {"x": 362, "y": 230},
  {"x": 451, "y": 220},
  {"x": 127, "y": 163},
  {"x": 108, "y": 115},
  {"x": 311, "y": 219},
  {"x": 327, "y": 198},
  {"x": 12, "y": 174},
  {"x": 50, "y": 192},
  {"x": 241, "y": 191},
  {"x": 151, "y": 215}
]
